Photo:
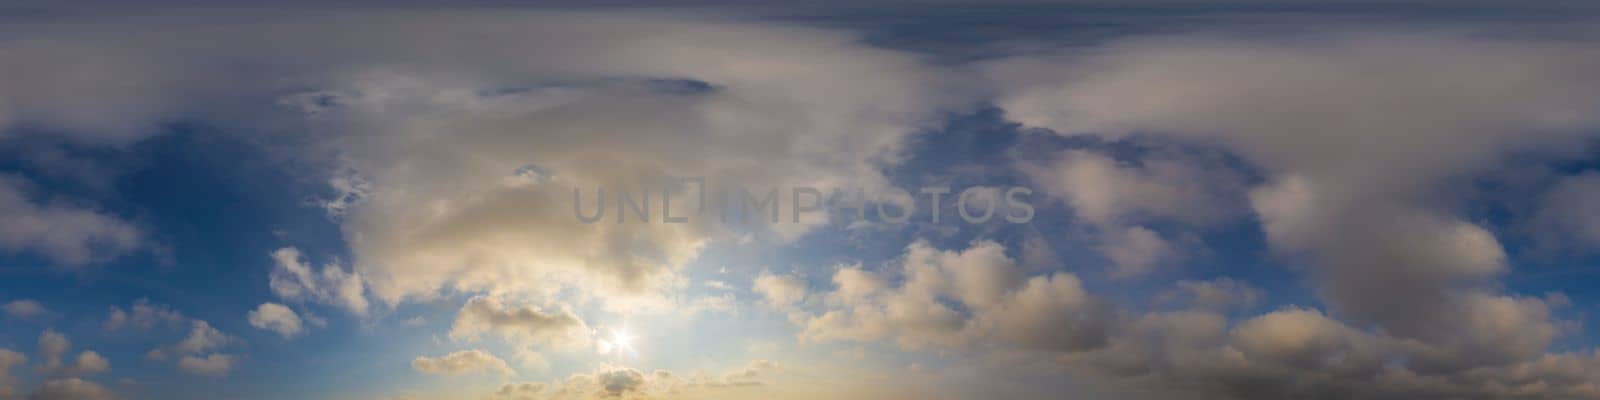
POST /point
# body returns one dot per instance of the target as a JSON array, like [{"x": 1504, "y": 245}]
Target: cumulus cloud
[
  {"x": 614, "y": 382},
  {"x": 52, "y": 346},
  {"x": 524, "y": 324},
  {"x": 486, "y": 207},
  {"x": 1567, "y": 215},
  {"x": 9, "y": 359},
  {"x": 1117, "y": 197},
  {"x": 462, "y": 362},
  {"x": 611, "y": 382},
  {"x": 208, "y": 365},
  {"x": 198, "y": 351},
  {"x": 1218, "y": 294},
  {"x": 294, "y": 280},
  {"x": 1166, "y": 185},
  {"x": 277, "y": 318},
  {"x": 779, "y": 291},
  {"x": 71, "y": 389},
  {"x": 143, "y": 315},
  {"x": 454, "y": 170},
  {"x": 520, "y": 391},
  {"x": 1048, "y": 312},
  {"x": 52, "y": 349},
  {"x": 750, "y": 375},
  {"x": 23, "y": 308},
  {"x": 68, "y": 235},
  {"x": 1353, "y": 192},
  {"x": 1137, "y": 250},
  {"x": 202, "y": 338},
  {"x": 89, "y": 362}
]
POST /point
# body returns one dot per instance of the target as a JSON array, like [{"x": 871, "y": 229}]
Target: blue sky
[{"x": 1232, "y": 200}]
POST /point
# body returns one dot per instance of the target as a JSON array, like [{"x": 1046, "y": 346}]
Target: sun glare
[
  {"x": 622, "y": 340},
  {"x": 620, "y": 343}
]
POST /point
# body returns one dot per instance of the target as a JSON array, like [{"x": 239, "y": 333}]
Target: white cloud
[
  {"x": 1362, "y": 137},
  {"x": 750, "y": 375},
  {"x": 52, "y": 349},
  {"x": 209, "y": 365},
  {"x": 462, "y": 362},
  {"x": 143, "y": 315},
  {"x": 1218, "y": 294},
  {"x": 23, "y": 308},
  {"x": 723, "y": 304},
  {"x": 1137, "y": 251},
  {"x": 89, "y": 362},
  {"x": 198, "y": 352},
  {"x": 67, "y": 235},
  {"x": 52, "y": 346},
  {"x": 524, "y": 324},
  {"x": 1047, "y": 312},
  {"x": 424, "y": 211},
  {"x": 1117, "y": 198},
  {"x": 8, "y": 360},
  {"x": 520, "y": 391},
  {"x": 295, "y": 280},
  {"x": 779, "y": 291},
  {"x": 202, "y": 338},
  {"x": 72, "y": 389},
  {"x": 277, "y": 318},
  {"x": 1174, "y": 186},
  {"x": 1567, "y": 215}
]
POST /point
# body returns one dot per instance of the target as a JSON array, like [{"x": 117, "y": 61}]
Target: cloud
[
  {"x": 1046, "y": 312},
  {"x": 620, "y": 381},
  {"x": 209, "y": 365},
  {"x": 723, "y": 304},
  {"x": 611, "y": 382},
  {"x": 23, "y": 308},
  {"x": 614, "y": 382},
  {"x": 520, "y": 391},
  {"x": 8, "y": 360},
  {"x": 277, "y": 318},
  {"x": 1566, "y": 214},
  {"x": 52, "y": 346},
  {"x": 295, "y": 280},
  {"x": 198, "y": 351},
  {"x": 1119, "y": 197},
  {"x": 779, "y": 291},
  {"x": 488, "y": 208},
  {"x": 143, "y": 315},
  {"x": 65, "y": 234},
  {"x": 1218, "y": 294},
  {"x": 52, "y": 349},
  {"x": 1362, "y": 137},
  {"x": 71, "y": 389},
  {"x": 751, "y": 374},
  {"x": 454, "y": 170},
  {"x": 202, "y": 338},
  {"x": 525, "y": 324},
  {"x": 1165, "y": 185},
  {"x": 1137, "y": 251},
  {"x": 462, "y": 362},
  {"x": 89, "y": 362}
]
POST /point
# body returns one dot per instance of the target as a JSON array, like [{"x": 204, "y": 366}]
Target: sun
[
  {"x": 622, "y": 340},
  {"x": 620, "y": 343}
]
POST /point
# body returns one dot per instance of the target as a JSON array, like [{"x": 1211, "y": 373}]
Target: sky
[{"x": 1140, "y": 200}]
